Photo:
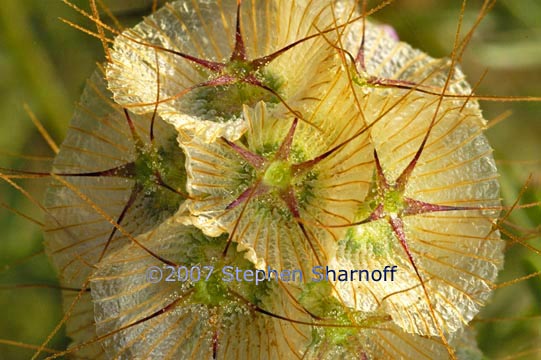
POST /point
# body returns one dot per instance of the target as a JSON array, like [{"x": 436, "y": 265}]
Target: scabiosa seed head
[
  {"x": 300, "y": 138},
  {"x": 435, "y": 196},
  {"x": 211, "y": 58}
]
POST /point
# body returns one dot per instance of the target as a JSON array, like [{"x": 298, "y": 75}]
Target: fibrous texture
[{"x": 275, "y": 135}]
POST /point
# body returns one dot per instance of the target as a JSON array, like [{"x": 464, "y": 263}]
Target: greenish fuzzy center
[
  {"x": 278, "y": 175},
  {"x": 317, "y": 298},
  {"x": 375, "y": 239},
  {"x": 239, "y": 69},
  {"x": 225, "y": 102},
  {"x": 146, "y": 165},
  {"x": 393, "y": 202},
  {"x": 152, "y": 166},
  {"x": 215, "y": 290},
  {"x": 212, "y": 292}
]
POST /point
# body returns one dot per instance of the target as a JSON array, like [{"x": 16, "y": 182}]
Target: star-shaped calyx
[
  {"x": 276, "y": 173},
  {"x": 279, "y": 175},
  {"x": 238, "y": 69},
  {"x": 116, "y": 175},
  {"x": 190, "y": 318},
  {"x": 200, "y": 76},
  {"x": 392, "y": 205}
]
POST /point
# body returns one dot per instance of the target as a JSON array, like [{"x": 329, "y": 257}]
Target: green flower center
[
  {"x": 239, "y": 69},
  {"x": 146, "y": 166},
  {"x": 212, "y": 292},
  {"x": 393, "y": 202},
  {"x": 278, "y": 175}
]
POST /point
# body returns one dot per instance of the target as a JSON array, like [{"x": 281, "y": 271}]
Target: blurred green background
[{"x": 44, "y": 63}]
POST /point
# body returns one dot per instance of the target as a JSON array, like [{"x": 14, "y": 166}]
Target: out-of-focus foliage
[{"x": 44, "y": 62}]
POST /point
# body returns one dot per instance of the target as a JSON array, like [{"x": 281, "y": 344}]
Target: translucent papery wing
[
  {"x": 465, "y": 344},
  {"x": 98, "y": 142},
  {"x": 171, "y": 320},
  {"x": 271, "y": 25},
  {"x": 80, "y": 326},
  {"x": 458, "y": 253},
  {"x": 388, "y": 341},
  {"x": 142, "y": 74}
]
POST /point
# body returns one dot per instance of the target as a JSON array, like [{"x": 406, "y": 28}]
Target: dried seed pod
[
  {"x": 435, "y": 195},
  {"x": 432, "y": 211},
  {"x": 112, "y": 183},
  {"x": 199, "y": 63}
]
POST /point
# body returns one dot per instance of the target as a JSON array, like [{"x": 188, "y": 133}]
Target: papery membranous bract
[
  {"x": 434, "y": 176},
  {"x": 108, "y": 157},
  {"x": 272, "y": 135}
]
